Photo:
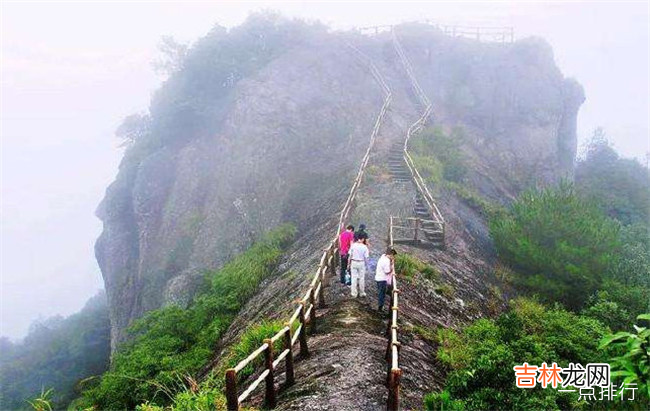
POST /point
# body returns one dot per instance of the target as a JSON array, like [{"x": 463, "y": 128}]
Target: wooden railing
[
  {"x": 394, "y": 374},
  {"x": 305, "y": 313},
  {"x": 345, "y": 213},
  {"x": 413, "y": 129},
  {"x": 478, "y": 33},
  {"x": 412, "y": 230}
]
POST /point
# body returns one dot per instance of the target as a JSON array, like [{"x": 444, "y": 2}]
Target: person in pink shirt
[{"x": 345, "y": 240}]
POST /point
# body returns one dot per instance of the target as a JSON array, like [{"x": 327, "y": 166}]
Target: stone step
[{"x": 434, "y": 237}]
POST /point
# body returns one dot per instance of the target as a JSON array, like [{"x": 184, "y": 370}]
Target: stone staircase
[
  {"x": 431, "y": 232},
  {"x": 396, "y": 164}
]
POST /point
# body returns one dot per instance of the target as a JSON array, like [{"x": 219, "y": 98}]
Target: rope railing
[
  {"x": 420, "y": 183},
  {"x": 305, "y": 313}
]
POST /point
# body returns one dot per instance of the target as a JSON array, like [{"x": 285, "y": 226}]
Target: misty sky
[{"x": 72, "y": 71}]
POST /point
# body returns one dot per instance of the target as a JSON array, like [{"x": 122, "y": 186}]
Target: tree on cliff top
[{"x": 620, "y": 186}]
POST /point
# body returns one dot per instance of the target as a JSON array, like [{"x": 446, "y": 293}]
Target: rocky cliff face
[
  {"x": 267, "y": 123},
  {"x": 515, "y": 107}
]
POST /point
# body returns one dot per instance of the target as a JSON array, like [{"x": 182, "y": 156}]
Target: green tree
[
  {"x": 560, "y": 244},
  {"x": 133, "y": 128},
  {"x": 620, "y": 186},
  {"x": 56, "y": 354},
  {"x": 481, "y": 357},
  {"x": 439, "y": 155},
  {"x": 172, "y": 57}
]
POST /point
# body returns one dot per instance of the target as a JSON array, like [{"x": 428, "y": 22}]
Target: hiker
[
  {"x": 345, "y": 241},
  {"x": 359, "y": 256},
  {"x": 361, "y": 233},
  {"x": 384, "y": 274}
]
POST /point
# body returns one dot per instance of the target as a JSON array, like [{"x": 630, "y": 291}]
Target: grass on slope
[{"x": 172, "y": 343}]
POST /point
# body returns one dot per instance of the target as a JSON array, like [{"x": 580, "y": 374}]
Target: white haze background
[{"x": 72, "y": 71}]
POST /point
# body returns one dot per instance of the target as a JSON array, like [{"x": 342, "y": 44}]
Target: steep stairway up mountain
[
  {"x": 396, "y": 164},
  {"x": 431, "y": 232}
]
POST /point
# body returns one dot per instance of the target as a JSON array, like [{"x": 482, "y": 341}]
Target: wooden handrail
[
  {"x": 294, "y": 317},
  {"x": 393, "y": 348},
  {"x": 502, "y": 34},
  {"x": 240, "y": 366},
  {"x": 393, "y": 377},
  {"x": 279, "y": 334},
  {"x": 252, "y": 387},
  {"x": 315, "y": 290},
  {"x": 281, "y": 357},
  {"x": 415, "y": 127},
  {"x": 296, "y": 335}
]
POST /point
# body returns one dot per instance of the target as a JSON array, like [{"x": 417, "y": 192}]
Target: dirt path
[{"x": 346, "y": 369}]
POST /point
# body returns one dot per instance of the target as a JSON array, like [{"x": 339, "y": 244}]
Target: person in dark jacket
[{"x": 361, "y": 233}]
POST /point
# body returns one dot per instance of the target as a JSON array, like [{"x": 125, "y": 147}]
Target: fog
[{"x": 72, "y": 71}]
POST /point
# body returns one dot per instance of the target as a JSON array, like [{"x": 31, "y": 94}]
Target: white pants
[{"x": 358, "y": 269}]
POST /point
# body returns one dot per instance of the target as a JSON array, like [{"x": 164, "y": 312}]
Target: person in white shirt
[
  {"x": 384, "y": 273},
  {"x": 358, "y": 256}
]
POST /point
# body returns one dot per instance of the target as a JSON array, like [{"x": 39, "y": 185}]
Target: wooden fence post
[
  {"x": 304, "y": 351},
  {"x": 312, "y": 302},
  {"x": 393, "y": 389},
  {"x": 231, "y": 390},
  {"x": 417, "y": 226},
  {"x": 444, "y": 240},
  {"x": 321, "y": 295},
  {"x": 289, "y": 360},
  {"x": 388, "y": 326},
  {"x": 269, "y": 396},
  {"x": 388, "y": 376},
  {"x": 390, "y": 223}
]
